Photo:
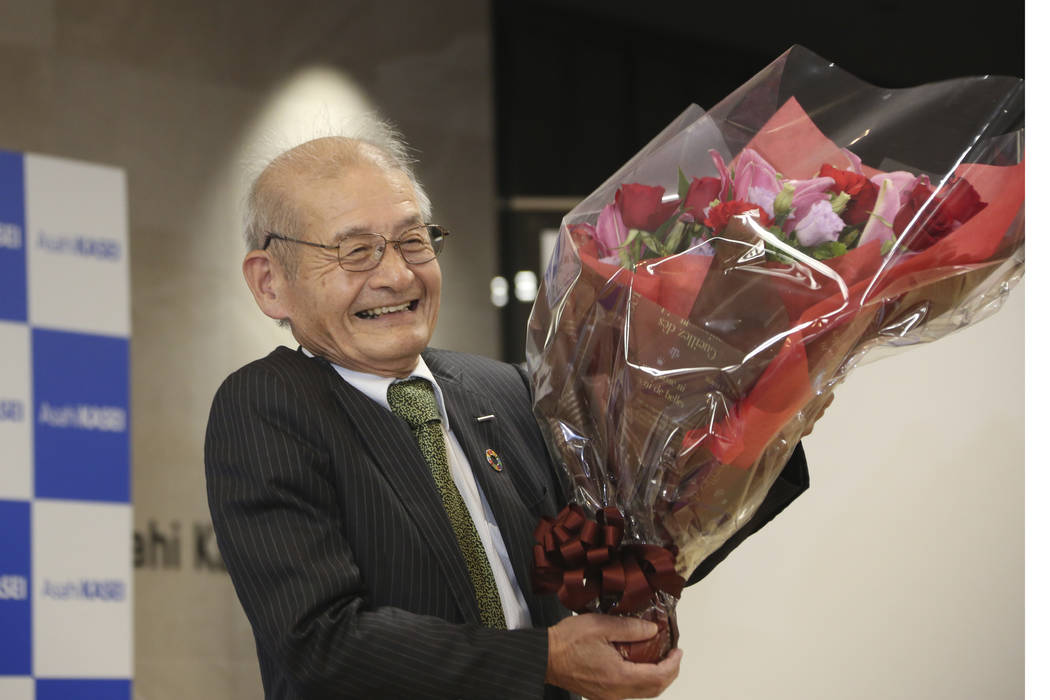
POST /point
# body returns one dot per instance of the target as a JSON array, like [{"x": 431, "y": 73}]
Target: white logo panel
[
  {"x": 16, "y": 688},
  {"x": 77, "y": 245},
  {"x": 81, "y": 590},
  {"x": 16, "y": 414}
]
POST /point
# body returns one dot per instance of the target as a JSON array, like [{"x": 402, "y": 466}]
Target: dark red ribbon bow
[{"x": 584, "y": 562}]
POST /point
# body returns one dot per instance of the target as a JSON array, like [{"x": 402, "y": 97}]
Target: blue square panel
[
  {"x": 12, "y": 237},
  {"x": 81, "y": 416},
  {"x": 83, "y": 689},
  {"x": 16, "y": 641}
]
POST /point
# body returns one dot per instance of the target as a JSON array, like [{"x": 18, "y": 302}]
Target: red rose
[
  {"x": 863, "y": 193},
  {"x": 701, "y": 192},
  {"x": 845, "y": 181},
  {"x": 941, "y": 216},
  {"x": 962, "y": 200},
  {"x": 720, "y": 215},
  {"x": 642, "y": 207}
]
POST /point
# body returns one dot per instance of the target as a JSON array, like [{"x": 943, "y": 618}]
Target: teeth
[{"x": 380, "y": 310}]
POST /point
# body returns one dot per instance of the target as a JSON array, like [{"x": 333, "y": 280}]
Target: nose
[{"x": 392, "y": 270}]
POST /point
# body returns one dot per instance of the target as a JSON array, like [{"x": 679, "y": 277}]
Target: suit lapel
[{"x": 392, "y": 446}]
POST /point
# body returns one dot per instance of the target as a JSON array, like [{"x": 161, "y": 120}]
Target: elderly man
[{"x": 374, "y": 499}]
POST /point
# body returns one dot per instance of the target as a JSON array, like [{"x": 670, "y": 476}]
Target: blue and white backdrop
[{"x": 65, "y": 491}]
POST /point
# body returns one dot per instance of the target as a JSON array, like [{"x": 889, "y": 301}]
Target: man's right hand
[{"x": 581, "y": 658}]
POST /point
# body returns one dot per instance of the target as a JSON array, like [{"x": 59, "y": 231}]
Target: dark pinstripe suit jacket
[
  {"x": 338, "y": 545},
  {"x": 340, "y": 550}
]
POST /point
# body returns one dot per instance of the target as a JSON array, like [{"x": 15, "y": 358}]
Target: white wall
[{"x": 900, "y": 573}]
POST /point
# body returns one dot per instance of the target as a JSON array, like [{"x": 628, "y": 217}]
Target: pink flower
[
  {"x": 854, "y": 161},
  {"x": 723, "y": 173},
  {"x": 756, "y": 180},
  {"x": 893, "y": 190},
  {"x": 611, "y": 231},
  {"x": 902, "y": 180}
]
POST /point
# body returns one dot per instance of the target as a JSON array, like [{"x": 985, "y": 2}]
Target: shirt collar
[{"x": 375, "y": 387}]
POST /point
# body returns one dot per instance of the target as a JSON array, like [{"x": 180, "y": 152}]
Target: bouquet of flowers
[{"x": 702, "y": 303}]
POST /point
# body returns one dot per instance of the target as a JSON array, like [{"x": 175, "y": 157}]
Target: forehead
[{"x": 357, "y": 198}]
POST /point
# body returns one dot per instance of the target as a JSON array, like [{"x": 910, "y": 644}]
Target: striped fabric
[{"x": 339, "y": 546}]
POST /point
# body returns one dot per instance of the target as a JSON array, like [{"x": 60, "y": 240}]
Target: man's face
[{"x": 376, "y": 321}]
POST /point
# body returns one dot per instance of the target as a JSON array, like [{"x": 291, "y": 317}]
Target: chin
[{"x": 401, "y": 353}]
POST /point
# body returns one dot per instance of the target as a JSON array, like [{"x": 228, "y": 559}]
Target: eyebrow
[{"x": 403, "y": 225}]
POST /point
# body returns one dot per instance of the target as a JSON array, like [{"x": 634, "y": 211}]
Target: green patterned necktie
[{"x": 414, "y": 401}]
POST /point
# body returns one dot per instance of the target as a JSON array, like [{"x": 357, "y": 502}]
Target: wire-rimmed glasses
[{"x": 360, "y": 252}]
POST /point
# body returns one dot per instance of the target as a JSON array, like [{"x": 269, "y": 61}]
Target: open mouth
[{"x": 384, "y": 310}]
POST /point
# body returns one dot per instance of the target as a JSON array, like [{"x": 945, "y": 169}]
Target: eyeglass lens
[{"x": 364, "y": 250}]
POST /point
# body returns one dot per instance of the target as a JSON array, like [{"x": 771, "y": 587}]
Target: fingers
[
  {"x": 671, "y": 663},
  {"x": 650, "y": 680},
  {"x": 626, "y": 629},
  {"x": 582, "y": 658}
]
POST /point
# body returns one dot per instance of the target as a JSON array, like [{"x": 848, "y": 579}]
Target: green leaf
[
  {"x": 674, "y": 238},
  {"x": 625, "y": 257},
  {"x": 661, "y": 231},
  {"x": 882, "y": 220},
  {"x": 828, "y": 250},
  {"x": 839, "y": 202},
  {"x": 651, "y": 243},
  {"x": 776, "y": 255},
  {"x": 683, "y": 185},
  {"x": 887, "y": 245},
  {"x": 782, "y": 202},
  {"x": 628, "y": 256},
  {"x": 777, "y": 231},
  {"x": 850, "y": 236}
]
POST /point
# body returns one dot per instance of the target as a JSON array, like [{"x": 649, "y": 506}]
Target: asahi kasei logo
[
  {"x": 83, "y": 417},
  {"x": 104, "y": 590},
  {"x": 84, "y": 246}
]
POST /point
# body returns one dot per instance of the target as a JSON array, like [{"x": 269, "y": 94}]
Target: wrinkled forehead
[{"x": 357, "y": 198}]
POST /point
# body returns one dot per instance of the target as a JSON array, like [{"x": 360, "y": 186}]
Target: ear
[{"x": 266, "y": 279}]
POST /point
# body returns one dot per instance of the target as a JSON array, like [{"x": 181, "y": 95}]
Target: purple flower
[
  {"x": 819, "y": 225},
  {"x": 807, "y": 194}
]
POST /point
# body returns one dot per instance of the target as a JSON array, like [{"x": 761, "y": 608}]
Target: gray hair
[{"x": 270, "y": 209}]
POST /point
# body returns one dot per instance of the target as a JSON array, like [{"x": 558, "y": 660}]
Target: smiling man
[
  {"x": 374, "y": 499},
  {"x": 378, "y": 321}
]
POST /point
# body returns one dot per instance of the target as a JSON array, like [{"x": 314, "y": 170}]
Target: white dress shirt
[{"x": 515, "y": 610}]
